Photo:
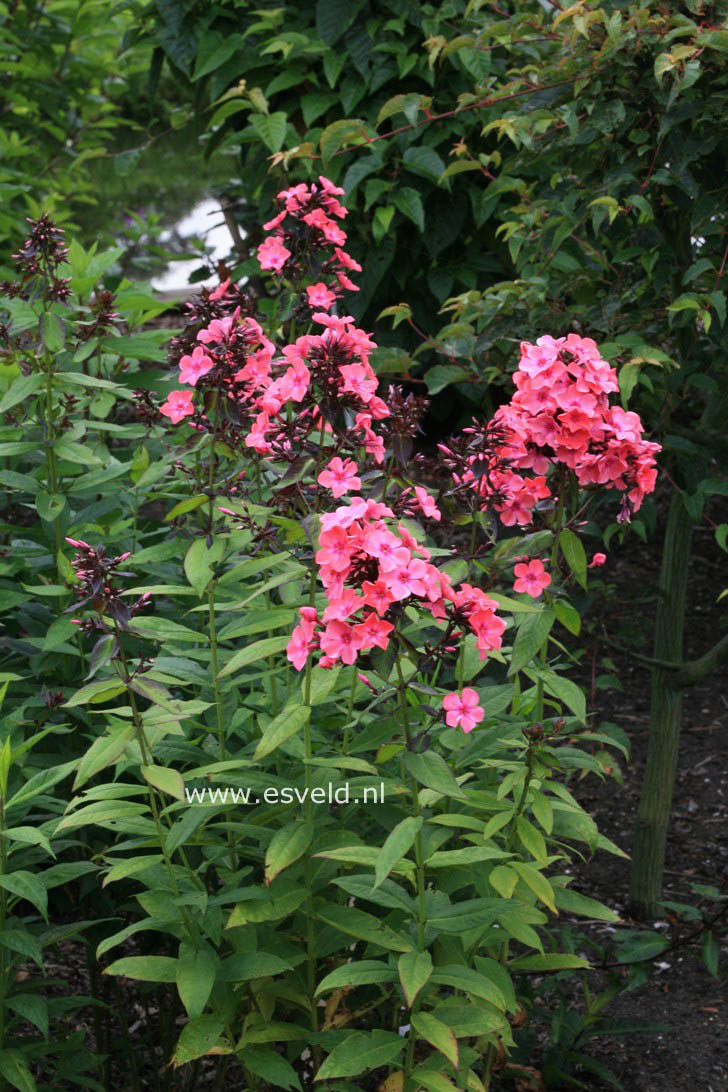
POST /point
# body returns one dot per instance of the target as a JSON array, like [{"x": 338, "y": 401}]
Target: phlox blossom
[
  {"x": 597, "y": 560},
  {"x": 427, "y": 504},
  {"x": 463, "y": 709},
  {"x": 340, "y": 477},
  {"x": 320, "y": 296},
  {"x": 531, "y": 578},
  {"x": 302, "y": 641},
  {"x": 178, "y": 405},
  {"x": 373, "y": 632},
  {"x": 272, "y": 254},
  {"x": 191, "y": 368},
  {"x": 340, "y": 641}
]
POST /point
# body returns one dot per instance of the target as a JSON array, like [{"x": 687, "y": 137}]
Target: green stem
[
  {"x": 349, "y": 710},
  {"x": 215, "y": 670},
  {"x": 420, "y": 865},
  {"x": 3, "y": 911},
  {"x": 50, "y": 439}
]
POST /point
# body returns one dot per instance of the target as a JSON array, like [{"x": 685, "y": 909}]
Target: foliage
[
  {"x": 71, "y": 86},
  {"x": 169, "y": 661}
]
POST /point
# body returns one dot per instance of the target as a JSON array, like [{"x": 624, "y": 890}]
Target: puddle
[{"x": 205, "y": 223}]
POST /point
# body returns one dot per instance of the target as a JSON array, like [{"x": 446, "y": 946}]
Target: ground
[{"x": 692, "y": 1052}]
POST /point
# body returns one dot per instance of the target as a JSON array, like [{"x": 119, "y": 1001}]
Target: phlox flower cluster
[
  {"x": 479, "y": 462},
  {"x": 232, "y": 356},
  {"x": 321, "y": 372},
  {"x": 308, "y": 222},
  {"x": 368, "y": 569},
  {"x": 560, "y": 414}
]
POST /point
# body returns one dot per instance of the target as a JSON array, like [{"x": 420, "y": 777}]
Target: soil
[{"x": 692, "y": 1051}]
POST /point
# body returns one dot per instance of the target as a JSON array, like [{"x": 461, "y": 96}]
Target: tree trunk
[{"x": 653, "y": 814}]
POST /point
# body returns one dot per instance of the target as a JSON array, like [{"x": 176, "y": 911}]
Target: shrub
[{"x": 323, "y": 617}]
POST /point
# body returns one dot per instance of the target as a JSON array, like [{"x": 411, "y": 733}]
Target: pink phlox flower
[
  {"x": 272, "y": 254},
  {"x": 178, "y": 405},
  {"x": 407, "y": 579},
  {"x": 320, "y": 296},
  {"x": 194, "y": 366},
  {"x": 335, "y": 549},
  {"x": 358, "y": 380},
  {"x": 340, "y": 641},
  {"x": 426, "y": 504},
  {"x": 597, "y": 560},
  {"x": 343, "y": 606},
  {"x": 347, "y": 261},
  {"x": 373, "y": 632},
  {"x": 217, "y": 329},
  {"x": 303, "y": 641},
  {"x": 220, "y": 291},
  {"x": 340, "y": 477},
  {"x": 531, "y": 578},
  {"x": 377, "y": 595},
  {"x": 463, "y": 709}
]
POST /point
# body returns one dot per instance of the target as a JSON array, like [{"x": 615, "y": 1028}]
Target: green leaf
[
  {"x": 333, "y": 18},
  {"x": 532, "y": 632},
  {"x": 270, "y": 1066},
  {"x": 288, "y": 722},
  {"x": 573, "y": 551},
  {"x": 199, "y": 1037},
  {"x": 259, "y": 650},
  {"x": 76, "y": 453},
  {"x": 532, "y": 838},
  {"x": 165, "y": 630},
  {"x": 568, "y": 616},
  {"x": 336, "y": 135},
  {"x": 642, "y": 946},
  {"x": 442, "y": 375},
  {"x": 431, "y": 770},
  {"x": 148, "y": 968},
  {"x": 576, "y": 903},
  {"x": 14, "y": 1068},
  {"x": 550, "y": 961},
  {"x": 365, "y": 972},
  {"x": 271, "y": 128},
  {"x": 409, "y": 202},
  {"x": 196, "y": 969},
  {"x": 503, "y": 879},
  {"x": 424, "y": 161},
  {"x": 399, "y": 841},
  {"x": 363, "y": 926},
  {"x": 470, "y": 981},
  {"x": 323, "y": 684},
  {"x": 468, "y": 855},
  {"x": 52, "y": 331},
  {"x": 538, "y": 883},
  {"x": 32, "y": 1008},
  {"x": 21, "y": 390},
  {"x": 414, "y": 969},
  {"x": 200, "y": 561},
  {"x": 95, "y": 692},
  {"x": 562, "y": 688},
  {"x": 104, "y": 751},
  {"x": 361, "y": 1052},
  {"x": 212, "y": 52},
  {"x": 286, "y": 846},
  {"x": 26, "y": 886},
  {"x": 440, "y": 1035},
  {"x": 189, "y": 504},
  {"x": 166, "y": 780},
  {"x": 710, "y": 950},
  {"x": 130, "y": 866}
]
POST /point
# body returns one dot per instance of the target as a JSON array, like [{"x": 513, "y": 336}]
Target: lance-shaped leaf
[{"x": 414, "y": 970}]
